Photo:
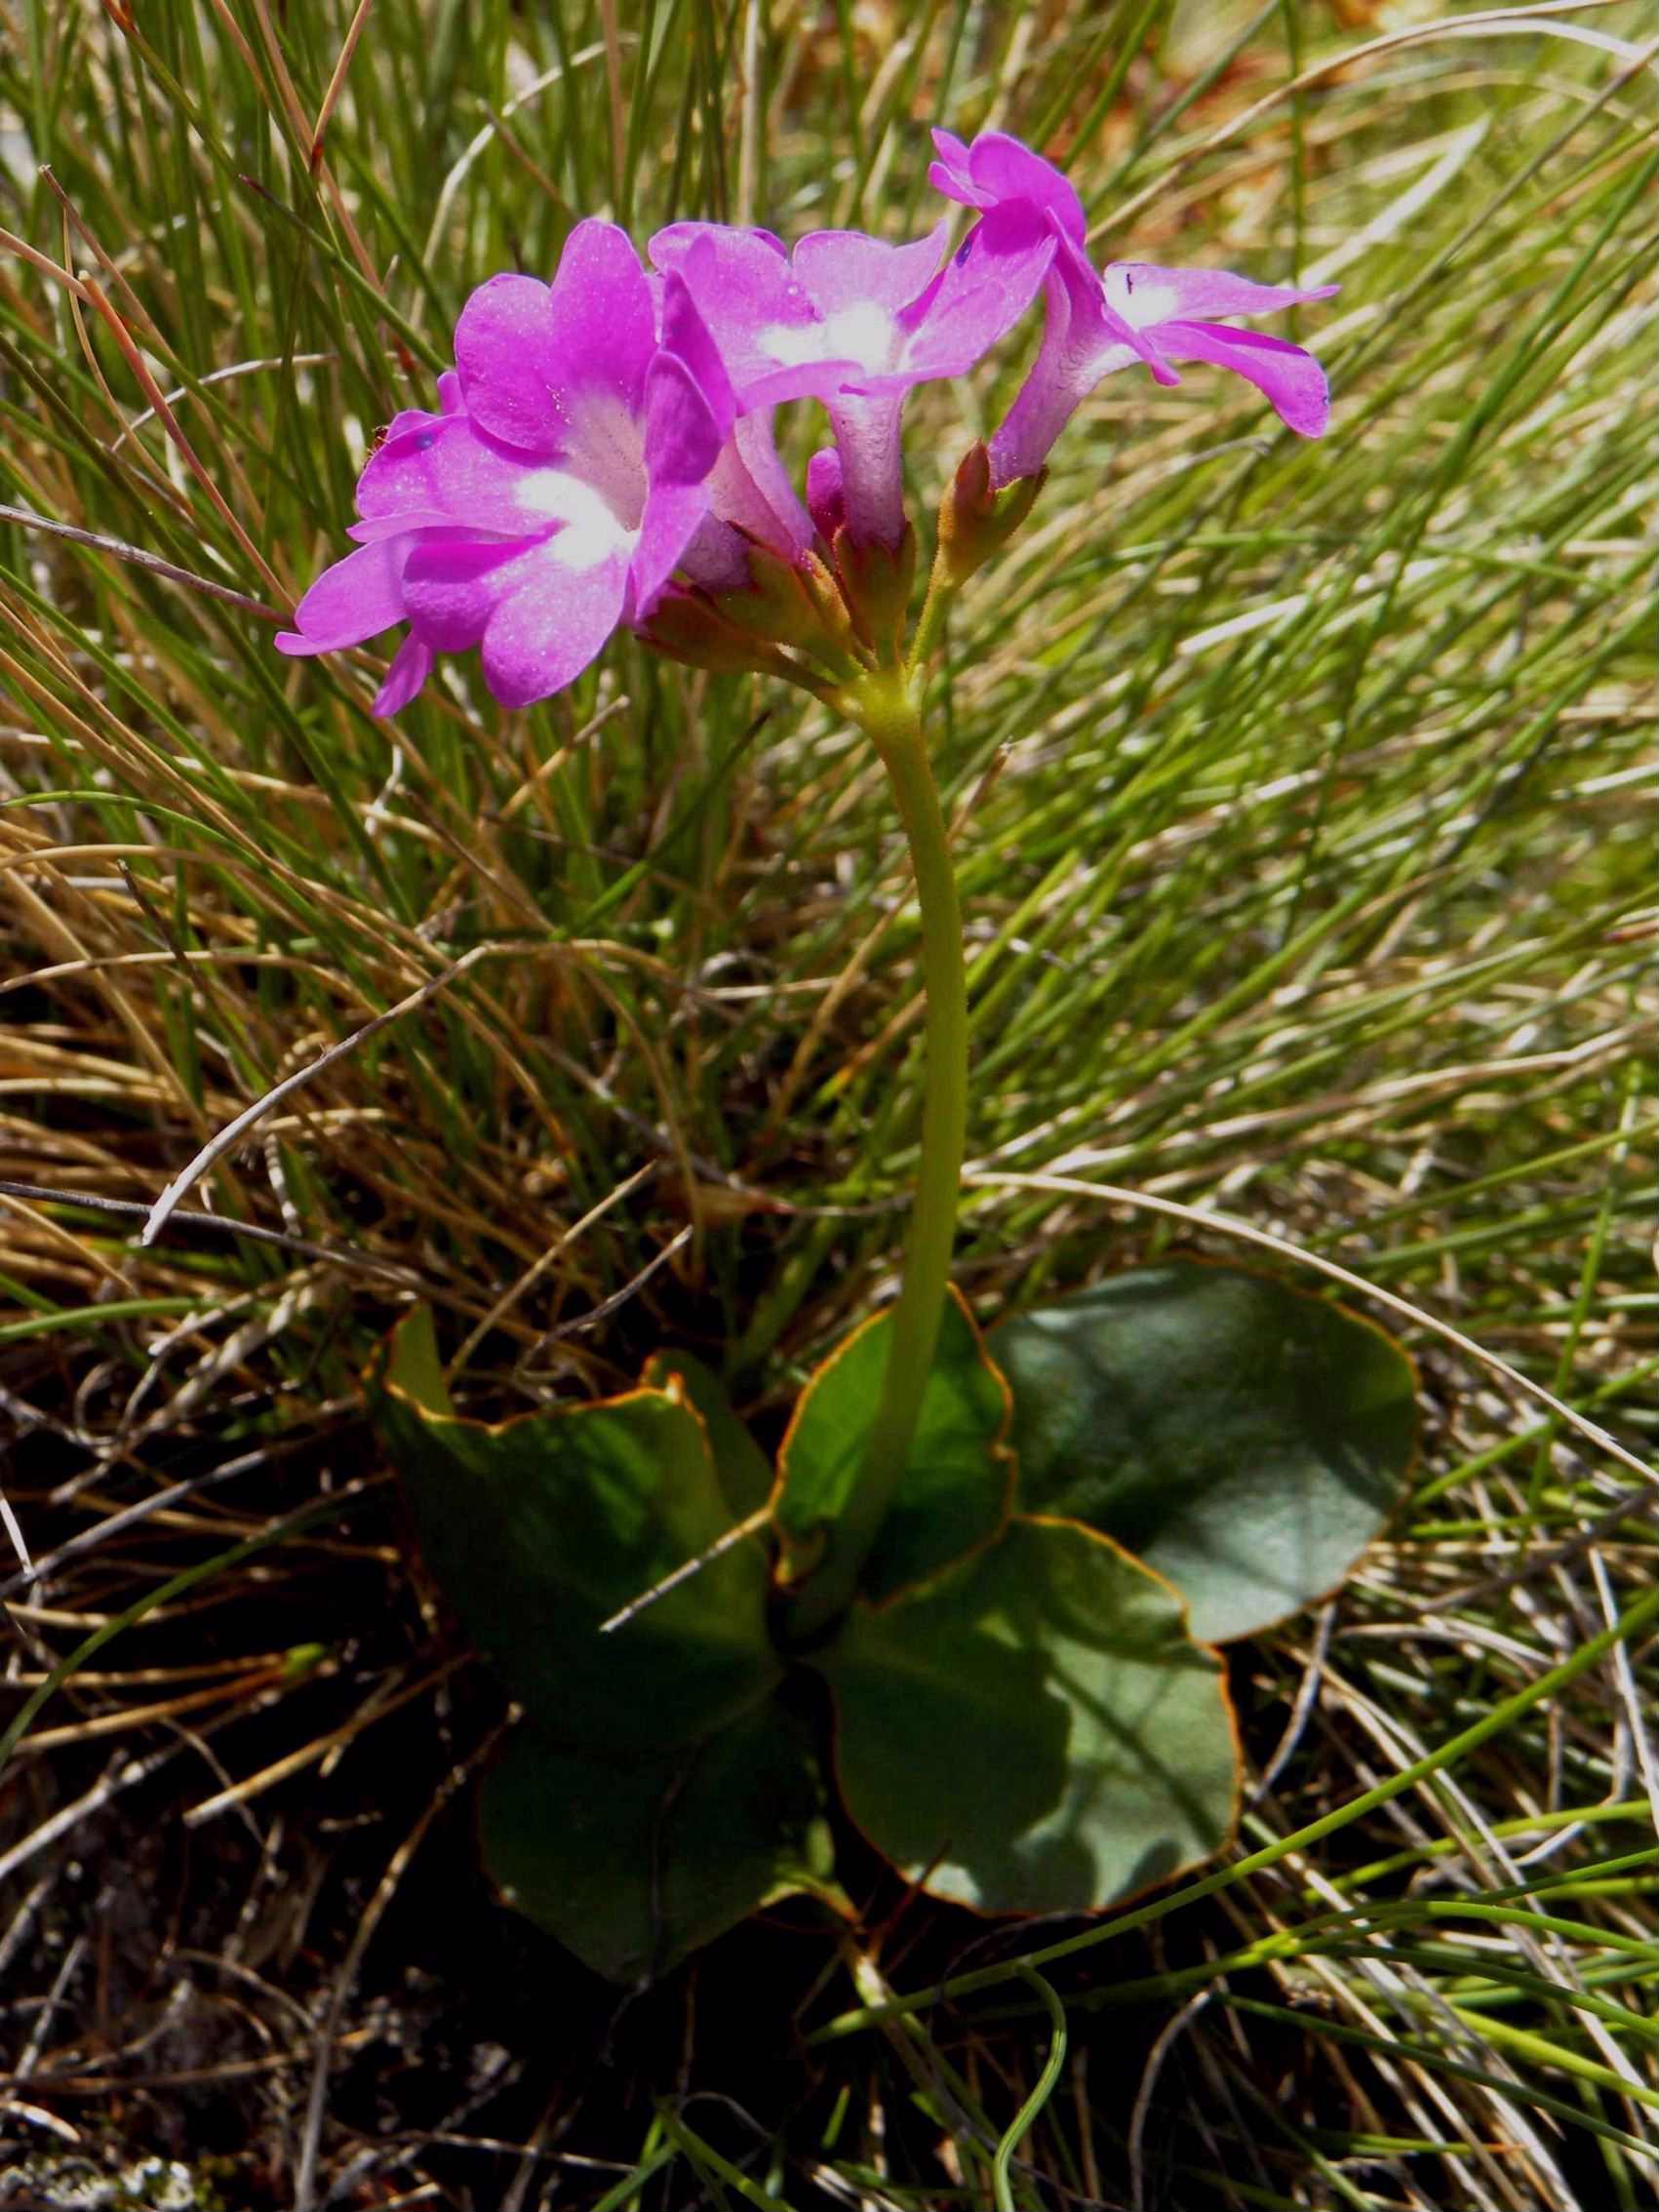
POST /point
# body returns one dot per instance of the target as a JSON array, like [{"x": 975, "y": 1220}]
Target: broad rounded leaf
[
  {"x": 539, "y": 1528},
  {"x": 1246, "y": 1440},
  {"x": 1034, "y": 1732},
  {"x": 632, "y": 1867},
  {"x": 744, "y": 1470},
  {"x": 955, "y": 1491}
]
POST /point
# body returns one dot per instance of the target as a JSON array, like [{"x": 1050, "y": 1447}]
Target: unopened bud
[
  {"x": 825, "y": 500},
  {"x": 875, "y": 583},
  {"x": 687, "y": 626},
  {"x": 975, "y": 521},
  {"x": 794, "y": 603}
]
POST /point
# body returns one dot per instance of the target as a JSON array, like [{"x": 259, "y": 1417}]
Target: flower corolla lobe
[
  {"x": 855, "y": 322},
  {"x": 553, "y": 496},
  {"x": 1099, "y": 322}
]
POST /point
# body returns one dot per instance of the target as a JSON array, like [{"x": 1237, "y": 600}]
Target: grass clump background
[{"x": 1304, "y": 832}]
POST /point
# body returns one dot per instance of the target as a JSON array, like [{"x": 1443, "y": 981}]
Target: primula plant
[{"x": 974, "y": 1607}]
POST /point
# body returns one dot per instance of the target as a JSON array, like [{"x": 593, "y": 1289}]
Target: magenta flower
[
  {"x": 608, "y": 433},
  {"x": 855, "y": 323},
  {"x": 552, "y": 498},
  {"x": 1097, "y": 324}
]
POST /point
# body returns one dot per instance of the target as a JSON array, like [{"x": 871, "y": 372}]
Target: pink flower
[
  {"x": 553, "y": 496},
  {"x": 1135, "y": 312},
  {"x": 855, "y": 323},
  {"x": 604, "y": 435}
]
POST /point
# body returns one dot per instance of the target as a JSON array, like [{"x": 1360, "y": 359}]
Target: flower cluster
[{"x": 603, "y": 452}]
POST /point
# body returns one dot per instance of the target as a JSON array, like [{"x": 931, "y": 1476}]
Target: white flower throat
[
  {"x": 598, "y": 490},
  {"x": 864, "y": 332}
]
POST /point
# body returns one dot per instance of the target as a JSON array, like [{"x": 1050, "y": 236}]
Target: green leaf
[
  {"x": 744, "y": 1471},
  {"x": 632, "y": 1867},
  {"x": 412, "y": 1365},
  {"x": 1035, "y": 1731},
  {"x": 955, "y": 1491},
  {"x": 1246, "y": 1440},
  {"x": 537, "y": 1529}
]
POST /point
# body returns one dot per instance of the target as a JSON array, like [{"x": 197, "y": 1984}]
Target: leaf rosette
[{"x": 1027, "y": 1710}]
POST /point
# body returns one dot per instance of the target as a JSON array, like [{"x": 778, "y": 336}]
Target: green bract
[{"x": 1025, "y": 1713}]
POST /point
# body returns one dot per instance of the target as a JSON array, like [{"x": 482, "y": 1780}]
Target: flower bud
[
  {"x": 875, "y": 583},
  {"x": 689, "y": 626},
  {"x": 794, "y": 603},
  {"x": 826, "y": 501},
  {"x": 975, "y": 521}
]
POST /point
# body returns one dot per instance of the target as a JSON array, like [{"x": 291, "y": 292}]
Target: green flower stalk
[
  {"x": 886, "y": 705},
  {"x": 975, "y": 521}
]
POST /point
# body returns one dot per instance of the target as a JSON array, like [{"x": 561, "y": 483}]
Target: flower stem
[
  {"x": 930, "y": 625},
  {"x": 886, "y": 705}
]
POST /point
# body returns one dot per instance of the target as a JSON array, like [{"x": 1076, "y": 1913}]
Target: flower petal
[
  {"x": 461, "y": 481},
  {"x": 1289, "y": 375},
  {"x": 846, "y": 269},
  {"x": 1145, "y": 295},
  {"x": 451, "y": 589},
  {"x": 871, "y": 465},
  {"x": 408, "y": 420},
  {"x": 551, "y": 623},
  {"x": 770, "y": 335},
  {"x": 398, "y": 525},
  {"x": 673, "y": 515},
  {"x": 992, "y": 279},
  {"x": 667, "y": 247},
  {"x": 952, "y": 152},
  {"x": 1096, "y": 324},
  {"x": 717, "y": 558},
  {"x": 1006, "y": 172},
  {"x": 681, "y": 442},
  {"x": 761, "y": 501},
  {"x": 686, "y": 334},
  {"x": 758, "y": 452},
  {"x": 355, "y": 599},
  {"x": 487, "y": 486},
  {"x": 604, "y": 327},
  {"x": 397, "y": 477},
  {"x": 825, "y": 498},
  {"x": 454, "y": 475},
  {"x": 509, "y": 362},
  {"x": 1083, "y": 340},
  {"x": 682, "y": 436},
  {"x": 410, "y": 669}
]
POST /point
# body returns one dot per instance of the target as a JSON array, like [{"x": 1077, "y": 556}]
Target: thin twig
[
  {"x": 94, "y": 295},
  {"x": 752, "y": 1526},
  {"x": 144, "y": 1509},
  {"x": 618, "y": 1298},
  {"x": 217, "y": 1224},
  {"x": 336, "y": 83},
  {"x": 316, "y": 2106},
  {"x": 140, "y": 559}
]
